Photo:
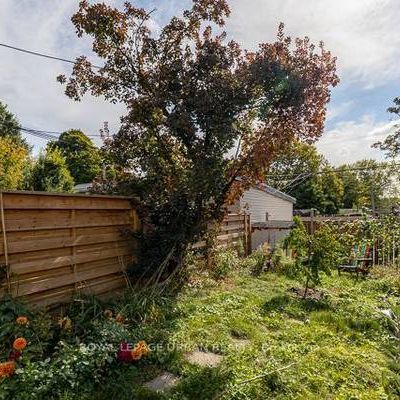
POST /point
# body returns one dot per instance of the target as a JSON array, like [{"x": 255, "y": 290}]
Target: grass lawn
[{"x": 334, "y": 348}]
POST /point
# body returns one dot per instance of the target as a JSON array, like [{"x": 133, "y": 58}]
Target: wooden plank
[
  {"x": 95, "y": 287},
  {"x": 57, "y": 194},
  {"x": 38, "y": 275},
  {"x": 51, "y": 298},
  {"x": 57, "y": 262},
  {"x": 29, "y": 287},
  {"x": 23, "y": 220},
  {"x": 39, "y": 202},
  {"x": 59, "y": 242},
  {"x": 229, "y": 236},
  {"x": 229, "y": 228}
]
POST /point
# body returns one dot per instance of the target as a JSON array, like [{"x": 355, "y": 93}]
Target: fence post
[
  {"x": 248, "y": 233},
  {"x": 312, "y": 229},
  {"x": 5, "y": 243}
]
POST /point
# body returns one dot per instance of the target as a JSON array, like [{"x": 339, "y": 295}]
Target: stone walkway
[
  {"x": 163, "y": 382},
  {"x": 203, "y": 359}
]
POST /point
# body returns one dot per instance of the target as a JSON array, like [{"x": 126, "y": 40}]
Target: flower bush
[{"x": 46, "y": 357}]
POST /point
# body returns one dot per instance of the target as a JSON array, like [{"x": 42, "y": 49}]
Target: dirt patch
[
  {"x": 163, "y": 382},
  {"x": 204, "y": 359},
  {"x": 312, "y": 294}
]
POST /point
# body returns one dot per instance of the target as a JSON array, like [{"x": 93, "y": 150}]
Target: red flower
[
  {"x": 14, "y": 355},
  {"x": 124, "y": 354}
]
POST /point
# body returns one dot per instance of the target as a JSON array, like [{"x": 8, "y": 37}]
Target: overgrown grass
[
  {"x": 334, "y": 348},
  {"x": 338, "y": 347}
]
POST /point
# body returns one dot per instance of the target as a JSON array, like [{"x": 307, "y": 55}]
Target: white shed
[
  {"x": 264, "y": 203},
  {"x": 271, "y": 213}
]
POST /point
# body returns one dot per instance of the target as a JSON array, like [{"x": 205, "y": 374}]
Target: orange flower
[
  {"x": 7, "y": 368},
  {"x": 136, "y": 354},
  {"x": 120, "y": 318},
  {"x": 142, "y": 345},
  {"x": 141, "y": 349},
  {"x": 19, "y": 344},
  {"x": 22, "y": 320},
  {"x": 65, "y": 323}
]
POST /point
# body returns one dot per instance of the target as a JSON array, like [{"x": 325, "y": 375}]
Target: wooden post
[
  {"x": 312, "y": 228},
  {"x": 5, "y": 243},
  {"x": 247, "y": 228}
]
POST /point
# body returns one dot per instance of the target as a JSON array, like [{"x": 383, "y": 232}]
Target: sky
[{"x": 362, "y": 34}]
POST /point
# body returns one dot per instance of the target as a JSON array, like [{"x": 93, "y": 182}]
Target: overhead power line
[
  {"x": 47, "y": 135},
  {"x": 35, "y": 53},
  {"x": 336, "y": 171}
]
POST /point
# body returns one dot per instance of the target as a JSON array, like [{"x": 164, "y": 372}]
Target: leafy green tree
[
  {"x": 82, "y": 156},
  {"x": 190, "y": 96},
  {"x": 50, "y": 173},
  {"x": 391, "y": 145},
  {"x": 351, "y": 188},
  {"x": 10, "y": 127},
  {"x": 14, "y": 163},
  {"x": 333, "y": 191},
  {"x": 314, "y": 254}
]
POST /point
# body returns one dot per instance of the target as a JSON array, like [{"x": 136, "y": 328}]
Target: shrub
[{"x": 224, "y": 261}]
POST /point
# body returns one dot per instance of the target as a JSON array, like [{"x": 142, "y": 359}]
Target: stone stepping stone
[
  {"x": 162, "y": 382},
  {"x": 204, "y": 359}
]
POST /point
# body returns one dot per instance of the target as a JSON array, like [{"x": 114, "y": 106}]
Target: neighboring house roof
[
  {"x": 83, "y": 187},
  {"x": 275, "y": 192},
  {"x": 272, "y": 191}
]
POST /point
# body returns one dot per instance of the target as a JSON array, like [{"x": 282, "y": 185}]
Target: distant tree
[
  {"x": 10, "y": 127},
  {"x": 333, "y": 191},
  {"x": 50, "y": 173},
  {"x": 190, "y": 96},
  {"x": 14, "y": 163},
  {"x": 306, "y": 175},
  {"x": 81, "y": 155},
  {"x": 391, "y": 145},
  {"x": 351, "y": 188}
]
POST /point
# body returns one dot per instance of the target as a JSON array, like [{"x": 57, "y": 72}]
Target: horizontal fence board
[
  {"x": 61, "y": 242},
  {"x": 21, "y": 201},
  {"x": 25, "y": 220},
  {"x": 66, "y": 294},
  {"x": 233, "y": 229},
  {"x": 38, "y": 275},
  {"x": 57, "y": 262},
  {"x": 29, "y": 287}
]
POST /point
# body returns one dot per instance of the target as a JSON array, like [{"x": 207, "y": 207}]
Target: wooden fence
[
  {"x": 235, "y": 229},
  {"x": 55, "y": 245},
  {"x": 313, "y": 222}
]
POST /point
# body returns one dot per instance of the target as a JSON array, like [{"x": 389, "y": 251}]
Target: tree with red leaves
[{"x": 201, "y": 112}]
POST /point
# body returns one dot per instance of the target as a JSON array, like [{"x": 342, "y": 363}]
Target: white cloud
[
  {"x": 28, "y": 83},
  {"x": 338, "y": 110},
  {"x": 351, "y": 141},
  {"x": 363, "y": 34}
]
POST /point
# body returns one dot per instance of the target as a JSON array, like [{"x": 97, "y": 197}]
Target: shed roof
[{"x": 275, "y": 192}]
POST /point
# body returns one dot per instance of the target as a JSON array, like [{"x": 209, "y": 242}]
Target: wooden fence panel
[
  {"x": 55, "y": 245},
  {"x": 234, "y": 229}
]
